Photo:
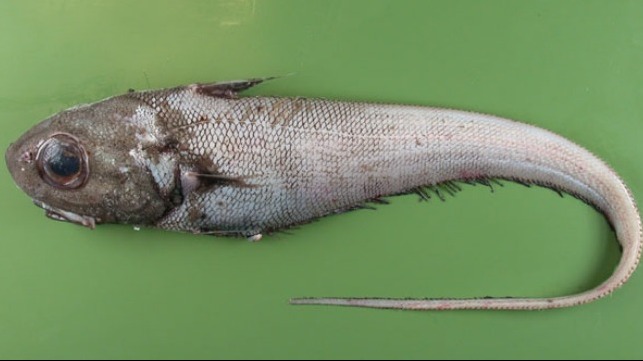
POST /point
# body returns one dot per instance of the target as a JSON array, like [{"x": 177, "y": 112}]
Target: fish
[{"x": 203, "y": 158}]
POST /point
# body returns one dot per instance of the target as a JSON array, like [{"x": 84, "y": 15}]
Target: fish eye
[{"x": 62, "y": 162}]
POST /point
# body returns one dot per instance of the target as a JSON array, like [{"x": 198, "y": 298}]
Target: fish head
[{"x": 78, "y": 166}]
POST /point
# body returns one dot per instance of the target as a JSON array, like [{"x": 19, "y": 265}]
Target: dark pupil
[{"x": 64, "y": 164}]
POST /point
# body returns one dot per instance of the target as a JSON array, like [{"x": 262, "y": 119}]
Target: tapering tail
[{"x": 466, "y": 146}]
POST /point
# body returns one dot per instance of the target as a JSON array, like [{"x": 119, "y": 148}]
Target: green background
[{"x": 573, "y": 67}]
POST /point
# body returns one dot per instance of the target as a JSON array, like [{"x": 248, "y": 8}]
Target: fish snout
[{"x": 20, "y": 160}]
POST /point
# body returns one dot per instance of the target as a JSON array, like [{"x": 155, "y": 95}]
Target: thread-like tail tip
[{"x": 300, "y": 301}]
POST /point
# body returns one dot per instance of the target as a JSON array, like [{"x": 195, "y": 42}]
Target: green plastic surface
[{"x": 574, "y": 67}]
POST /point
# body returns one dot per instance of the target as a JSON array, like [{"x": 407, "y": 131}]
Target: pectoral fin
[
  {"x": 212, "y": 179},
  {"x": 204, "y": 175}
]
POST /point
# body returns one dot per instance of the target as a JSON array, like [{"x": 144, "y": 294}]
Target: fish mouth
[{"x": 65, "y": 216}]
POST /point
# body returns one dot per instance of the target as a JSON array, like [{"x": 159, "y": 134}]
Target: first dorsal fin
[{"x": 228, "y": 89}]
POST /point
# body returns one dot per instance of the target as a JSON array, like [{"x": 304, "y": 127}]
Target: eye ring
[{"x": 62, "y": 162}]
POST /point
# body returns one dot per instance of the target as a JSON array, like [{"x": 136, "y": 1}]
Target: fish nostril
[{"x": 27, "y": 157}]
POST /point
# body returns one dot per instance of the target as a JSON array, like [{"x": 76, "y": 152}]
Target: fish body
[{"x": 202, "y": 159}]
